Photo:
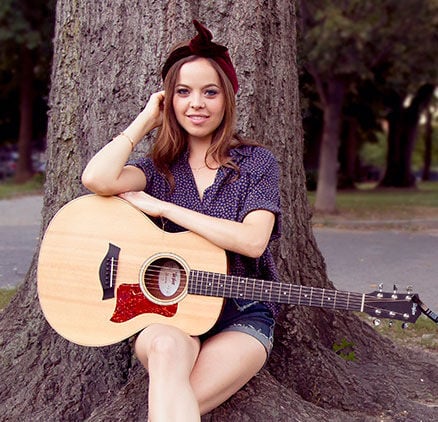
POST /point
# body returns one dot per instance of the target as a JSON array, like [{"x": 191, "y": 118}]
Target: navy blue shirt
[{"x": 232, "y": 196}]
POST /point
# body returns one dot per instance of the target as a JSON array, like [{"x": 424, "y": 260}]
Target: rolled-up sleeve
[{"x": 264, "y": 191}]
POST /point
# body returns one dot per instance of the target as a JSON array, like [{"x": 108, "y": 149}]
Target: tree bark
[
  {"x": 402, "y": 134},
  {"x": 333, "y": 99},
  {"x": 106, "y": 60}
]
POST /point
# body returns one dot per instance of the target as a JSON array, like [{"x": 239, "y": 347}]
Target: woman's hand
[
  {"x": 153, "y": 110},
  {"x": 144, "y": 202},
  {"x": 249, "y": 238}
]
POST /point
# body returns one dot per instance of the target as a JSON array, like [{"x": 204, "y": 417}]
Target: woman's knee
[{"x": 164, "y": 343}]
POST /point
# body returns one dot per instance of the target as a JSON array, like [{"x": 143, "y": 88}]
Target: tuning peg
[
  {"x": 409, "y": 292},
  {"x": 404, "y": 325},
  {"x": 376, "y": 322},
  {"x": 390, "y": 323},
  {"x": 395, "y": 291},
  {"x": 380, "y": 294}
]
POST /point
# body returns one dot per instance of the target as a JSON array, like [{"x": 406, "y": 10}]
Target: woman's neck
[{"x": 198, "y": 152}]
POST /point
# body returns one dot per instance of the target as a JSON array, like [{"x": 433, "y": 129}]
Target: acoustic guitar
[{"x": 106, "y": 271}]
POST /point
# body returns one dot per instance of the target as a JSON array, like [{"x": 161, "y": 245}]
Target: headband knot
[{"x": 202, "y": 46}]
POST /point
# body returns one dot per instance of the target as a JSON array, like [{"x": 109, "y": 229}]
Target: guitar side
[{"x": 70, "y": 260}]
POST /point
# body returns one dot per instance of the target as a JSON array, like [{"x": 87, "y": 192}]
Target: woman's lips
[{"x": 197, "y": 118}]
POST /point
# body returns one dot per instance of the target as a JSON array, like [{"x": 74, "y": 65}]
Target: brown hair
[{"x": 171, "y": 140}]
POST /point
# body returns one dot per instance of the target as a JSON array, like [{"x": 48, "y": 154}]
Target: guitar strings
[{"x": 308, "y": 296}]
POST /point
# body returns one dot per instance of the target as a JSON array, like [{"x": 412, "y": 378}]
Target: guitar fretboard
[{"x": 222, "y": 285}]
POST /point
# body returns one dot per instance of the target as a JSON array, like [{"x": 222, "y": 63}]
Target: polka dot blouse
[{"x": 232, "y": 196}]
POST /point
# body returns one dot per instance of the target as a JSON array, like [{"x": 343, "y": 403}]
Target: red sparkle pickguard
[{"x": 132, "y": 302}]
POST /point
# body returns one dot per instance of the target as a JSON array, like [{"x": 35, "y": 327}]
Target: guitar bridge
[{"x": 108, "y": 271}]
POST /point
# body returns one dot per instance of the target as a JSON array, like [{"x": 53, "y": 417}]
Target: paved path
[
  {"x": 356, "y": 260},
  {"x": 360, "y": 260},
  {"x": 19, "y": 231}
]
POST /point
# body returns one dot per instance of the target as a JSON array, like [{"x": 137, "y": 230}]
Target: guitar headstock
[{"x": 392, "y": 305}]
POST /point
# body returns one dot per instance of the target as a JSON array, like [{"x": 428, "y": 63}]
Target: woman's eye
[
  {"x": 182, "y": 91},
  {"x": 211, "y": 92}
]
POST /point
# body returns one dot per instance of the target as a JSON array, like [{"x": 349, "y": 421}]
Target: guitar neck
[{"x": 222, "y": 285}]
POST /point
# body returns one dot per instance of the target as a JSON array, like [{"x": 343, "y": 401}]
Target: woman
[{"x": 203, "y": 178}]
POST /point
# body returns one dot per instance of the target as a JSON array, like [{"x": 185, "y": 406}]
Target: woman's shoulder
[{"x": 249, "y": 154}]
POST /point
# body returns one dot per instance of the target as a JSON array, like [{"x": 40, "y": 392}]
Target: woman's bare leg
[
  {"x": 225, "y": 364},
  {"x": 169, "y": 356}
]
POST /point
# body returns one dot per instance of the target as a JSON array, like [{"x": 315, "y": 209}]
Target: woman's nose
[{"x": 197, "y": 101}]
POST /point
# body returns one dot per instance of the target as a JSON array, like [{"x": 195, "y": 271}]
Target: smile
[{"x": 196, "y": 118}]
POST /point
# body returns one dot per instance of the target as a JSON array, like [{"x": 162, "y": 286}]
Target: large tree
[{"x": 107, "y": 56}]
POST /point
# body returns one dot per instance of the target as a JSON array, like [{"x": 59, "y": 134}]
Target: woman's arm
[
  {"x": 106, "y": 173},
  {"x": 249, "y": 238}
]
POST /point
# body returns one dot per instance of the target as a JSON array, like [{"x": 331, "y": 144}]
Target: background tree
[
  {"x": 106, "y": 63},
  {"x": 25, "y": 59},
  {"x": 428, "y": 142},
  {"x": 348, "y": 43}
]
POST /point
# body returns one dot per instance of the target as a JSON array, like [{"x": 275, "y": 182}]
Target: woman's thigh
[{"x": 226, "y": 362}]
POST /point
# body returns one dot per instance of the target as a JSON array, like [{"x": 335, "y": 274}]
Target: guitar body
[{"x": 100, "y": 278}]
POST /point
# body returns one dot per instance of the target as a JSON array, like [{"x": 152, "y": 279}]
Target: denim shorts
[{"x": 246, "y": 316}]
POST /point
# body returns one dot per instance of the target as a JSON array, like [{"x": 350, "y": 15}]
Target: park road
[{"x": 357, "y": 260}]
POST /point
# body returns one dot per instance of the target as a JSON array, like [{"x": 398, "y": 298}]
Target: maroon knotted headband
[{"x": 202, "y": 46}]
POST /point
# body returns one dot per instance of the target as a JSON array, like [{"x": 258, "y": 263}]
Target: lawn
[
  {"x": 368, "y": 203},
  {"x": 9, "y": 189}
]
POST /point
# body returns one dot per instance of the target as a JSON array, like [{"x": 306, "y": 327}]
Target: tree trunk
[
  {"x": 402, "y": 134},
  {"x": 325, "y": 201},
  {"x": 105, "y": 66},
  {"x": 348, "y": 155},
  {"x": 24, "y": 169},
  {"x": 428, "y": 129}
]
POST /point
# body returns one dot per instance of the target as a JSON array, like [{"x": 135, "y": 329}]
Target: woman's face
[{"x": 199, "y": 100}]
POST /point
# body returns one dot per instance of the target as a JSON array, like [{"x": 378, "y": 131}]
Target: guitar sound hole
[{"x": 165, "y": 281}]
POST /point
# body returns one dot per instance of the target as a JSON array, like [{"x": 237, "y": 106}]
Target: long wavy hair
[{"x": 171, "y": 140}]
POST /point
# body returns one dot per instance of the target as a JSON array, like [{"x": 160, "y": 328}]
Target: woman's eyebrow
[{"x": 203, "y": 87}]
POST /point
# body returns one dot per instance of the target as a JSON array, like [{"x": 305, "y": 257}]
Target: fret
[
  {"x": 224, "y": 282},
  {"x": 203, "y": 286},
  {"x": 193, "y": 283},
  {"x": 242, "y": 284},
  {"x": 207, "y": 283},
  {"x": 223, "y": 285},
  {"x": 305, "y": 299},
  {"x": 295, "y": 296},
  {"x": 215, "y": 284},
  {"x": 286, "y": 290},
  {"x": 328, "y": 299},
  {"x": 278, "y": 296}
]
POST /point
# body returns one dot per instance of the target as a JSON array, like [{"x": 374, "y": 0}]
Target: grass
[
  {"x": 367, "y": 203},
  {"x": 5, "y": 297},
  {"x": 424, "y": 333},
  {"x": 10, "y": 189}
]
